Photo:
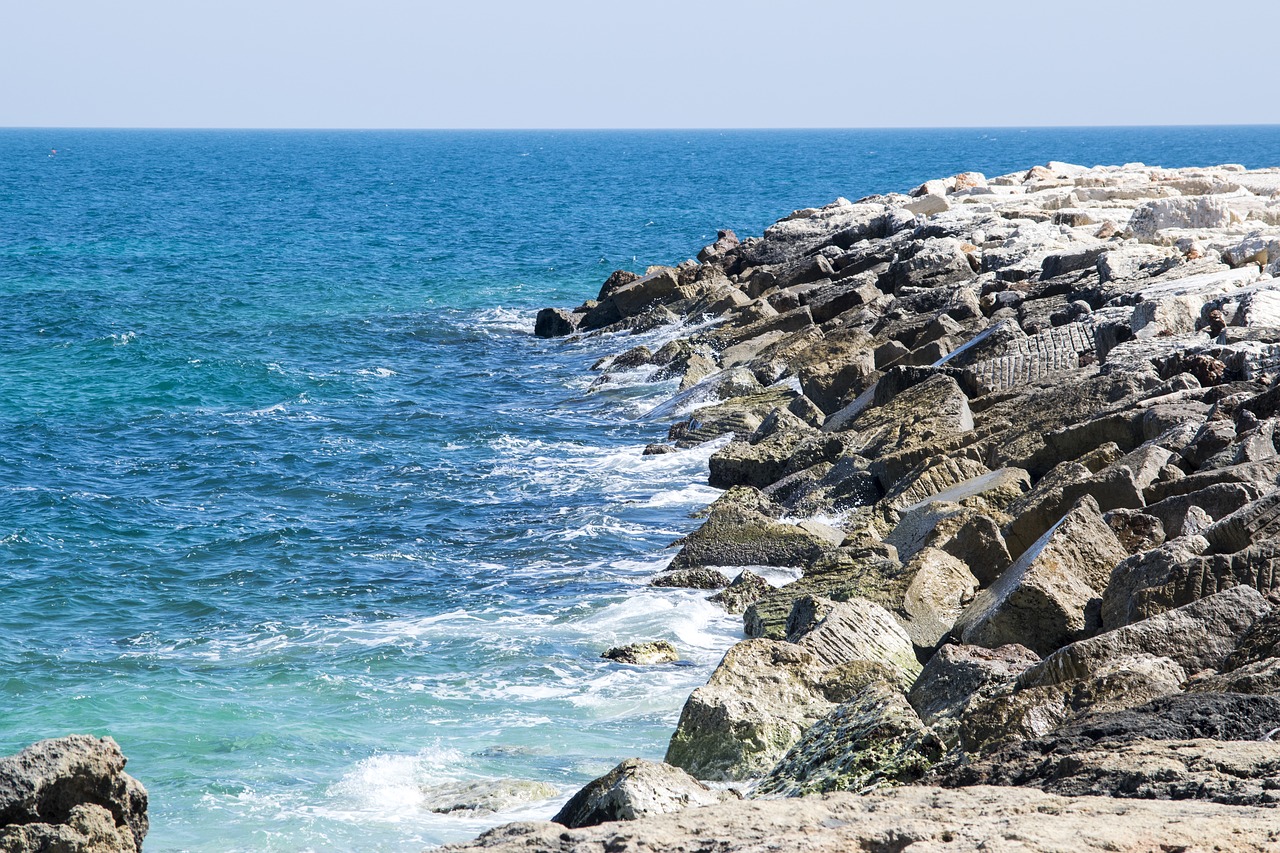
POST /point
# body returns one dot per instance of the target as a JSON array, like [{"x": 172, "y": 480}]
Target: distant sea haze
[{"x": 294, "y": 506}]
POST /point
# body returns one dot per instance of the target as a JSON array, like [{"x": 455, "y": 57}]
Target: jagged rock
[
  {"x": 1158, "y": 215},
  {"x": 941, "y": 586},
  {"x": 616, "y": 279},
  {"x": 1043, "y": 600},
  {"x": 1260, "y": 642},
  {"x": 911, "y": 816},
  {"x": 832, "y": 369},
  {"x": 653, "y": 652},
  {"x": 1197, "y": 636},
  {"x": 858, "y": 629},
  {"x": 738, "y": 534},
  {"x": 726, "y": 241},
  {"x": 917, "y": 419},
  {"x": 1118, "y": 682},
  {"x": 747, "y": 588},
  {"x": 957, "y": 676},
  {"x": 756, "y": 704},
  {"x": 634, "y": 789},
  {"x": 631, "y": 299},
  {"x": 72, "y": 794},
  {"x": 554, "y": 323},
  {"x": 874, "y": 738}
]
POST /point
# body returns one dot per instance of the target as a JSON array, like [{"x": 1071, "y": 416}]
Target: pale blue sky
[{"x": 643, "y": 63}]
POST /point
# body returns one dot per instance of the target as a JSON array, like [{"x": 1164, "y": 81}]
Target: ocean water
[{"x": 294, "y": 506}]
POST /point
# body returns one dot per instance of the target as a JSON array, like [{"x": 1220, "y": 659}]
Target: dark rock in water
[
  {"x": 634, "y": 789},
  {"x": 554, "y": 323},
  {"x": 634, "y": 357},
  {"x": 659, "y": 449},
  {"x": 656, "y": 651},
  {"x": 745, "y": 590},
  {"x": 873, "y": 738},
  {"x": 696, "y": 578},
  {"x": 71, "y": 794}
]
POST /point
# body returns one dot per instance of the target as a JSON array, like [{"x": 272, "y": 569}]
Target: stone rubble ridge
[{"x": 1018, "y": 437}]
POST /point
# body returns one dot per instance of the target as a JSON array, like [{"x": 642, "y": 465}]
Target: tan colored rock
[
  {"x": 634, "y": 789},
  {"x": 912, "y": 818},
  {"x": 1043, "y": 600}
]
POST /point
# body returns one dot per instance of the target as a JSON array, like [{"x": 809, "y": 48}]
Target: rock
[
  {"x": 634, "y": 789},
  {"x": 917, "y": 419},
  {"x": 71, "y": 794},
  {"x": 692, "y": 578},
  {"x": 653, "y": 652},
  {"x": 1197, "y": 636},
  {"x": 616, "y": 279},
  {"x": 726, "y": 241},
  {"x": 478, "y": 798},
  {"x": 1192, "y": 746},
  {"x": 1044, "y": 599},
  {"x": 746, "y": 589},
  {"x": 941, "y": 586},
  {"x": 858, "y": 629},
  {"x": 1158, "y": 215},
  {"x": 912, "y": 817},
  {"x": 737, "y": 535},
  {"x": 957, "y": 676},
  {"x": 1260, "y": 642},
  {"x": 756, "y": 704},
  {"x": 554, "y": 323},
  {"x": 872, "y": 739}
]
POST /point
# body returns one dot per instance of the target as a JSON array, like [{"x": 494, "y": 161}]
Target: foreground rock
[
  {"x": 71, "y": 794},
  {"x": 1019, "y": 429},
  {"x": 911, "y": 818},
  {"x": 634, "y": 789}
]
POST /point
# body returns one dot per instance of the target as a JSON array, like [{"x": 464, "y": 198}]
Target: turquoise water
[{"x": 293, "y": 505}]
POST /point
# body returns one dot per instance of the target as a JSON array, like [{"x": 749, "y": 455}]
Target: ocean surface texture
[{"x": 294, "y": 506}]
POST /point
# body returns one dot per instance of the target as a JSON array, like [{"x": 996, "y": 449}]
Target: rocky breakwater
[
  {"x": 1017, "y": 439},
  {"x": 70, "y": 795}
]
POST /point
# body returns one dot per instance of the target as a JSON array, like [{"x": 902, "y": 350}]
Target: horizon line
[{"x": 483, "y": 129}]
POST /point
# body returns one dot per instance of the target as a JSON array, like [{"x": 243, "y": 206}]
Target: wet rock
[
  {"x": 874, "y": 738},
  {"x": 634, "y": 789},
  {"x": 840, "y": 575},
  {"x": 554, "y": 323},
  {"x": 485, "y": 797},
  {"x": 737, "y": 534},
  {"x": 1044, "y": 599},
  {"x": 653, "y": 652},
  {"x": 71, "y": 793},
  {"x": 747, "y": 588},
  {"x": 692, "y": 578},
  {"x": 756, "y": 704}
]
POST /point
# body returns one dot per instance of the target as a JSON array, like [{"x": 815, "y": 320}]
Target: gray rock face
[
  {"x": 911, "y": 817},
  {"x": 554, "y": 323},
  {"x": 957, "y": 676},
  {"x": 71, "y": 794},
  {"x": 634, "y": 789},
  {"x": 738, "y": 533}
]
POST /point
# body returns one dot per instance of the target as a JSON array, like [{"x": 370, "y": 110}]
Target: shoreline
[
  {"x": 985, "y": 421},
  {"x": 1014, "y": 437}
]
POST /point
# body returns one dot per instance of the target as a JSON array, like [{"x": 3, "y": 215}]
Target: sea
[{"x": 295, "y": 507}]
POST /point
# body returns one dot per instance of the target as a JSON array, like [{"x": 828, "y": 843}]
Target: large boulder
[
  {"x": 958, "y": 676},
  {"x": 1049, "y": 596},
  {"x": 634, "y": 789},
  {"x": 71, "y": 794},
  {"x": 872, "y": 739},
  {"x": 738, "y": 533}
]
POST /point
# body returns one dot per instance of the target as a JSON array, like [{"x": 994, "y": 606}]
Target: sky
[{"x": 635, "y": 64}]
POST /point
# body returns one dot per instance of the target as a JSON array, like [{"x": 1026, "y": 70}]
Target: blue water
[{"x": 293, "y": 505}]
